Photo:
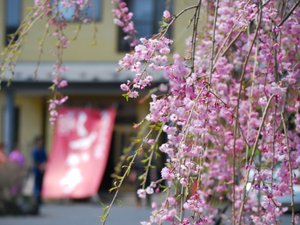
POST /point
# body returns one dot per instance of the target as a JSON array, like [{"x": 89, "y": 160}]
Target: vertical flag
[{"x": 79, "y": 153}]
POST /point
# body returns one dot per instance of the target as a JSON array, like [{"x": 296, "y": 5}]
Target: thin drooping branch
[
  {"x": 194, "y": 35},
  {"x": 243, "y": 29},
  {"x": 230, "y": 44},
  {"x": 150, "y": 158},
  {"x": 237, "y": 114},
  {"x": 213, "y": 43},
  {"x": 251, "y": 94},
  {"x": 273, "y": 147},
  {"x": 290, "y": 168},
  {"x": 10, "y": 53},
  {"x": 227, "y": 47},
  {"x": 176, "y": 17},
  {"x": 252, "y": 158},
  {"x": 289, "y": 14},
  {"x": 41, "y": 50},
  {"x": 118, "y": 184},
  {"x": 202, "y": 146},
  {"x": 108, "y": 208}
]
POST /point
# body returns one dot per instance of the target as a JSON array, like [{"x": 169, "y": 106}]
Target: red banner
[{"x": 79, "y": 153}]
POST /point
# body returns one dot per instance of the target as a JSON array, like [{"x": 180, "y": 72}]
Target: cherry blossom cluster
[
  {"x": 123, "y": 19},
  {"x": 58, "y": 25},
  {"x": 58, "y": 99},
  {"x": 148, "y": 56},
  {"x": 232, "y": 120},
  {"x": 53, "y": 105},
  {"x": 65, "y": 3},
  {"x": 70, "y": 3},
  {"x": 50, "y": 6},
  {"x": 231, "y": 112}
]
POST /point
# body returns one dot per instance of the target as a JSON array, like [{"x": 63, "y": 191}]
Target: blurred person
[
  {"x": 3, "y": 157},
  {"x": 39, "y": 158},
  {"x": 17, "y": 157},
  {"x": 138, "y": 169}
]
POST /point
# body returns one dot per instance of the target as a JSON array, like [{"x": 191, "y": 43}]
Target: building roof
[
  {"x": 76, "y": 72},
  {"x": 84, "y": 78}
]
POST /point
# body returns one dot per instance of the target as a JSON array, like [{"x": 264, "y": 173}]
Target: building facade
[{"x": 92, "y": 76}]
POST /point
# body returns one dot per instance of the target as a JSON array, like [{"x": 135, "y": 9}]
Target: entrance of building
[{"x": 122, "y": 137}]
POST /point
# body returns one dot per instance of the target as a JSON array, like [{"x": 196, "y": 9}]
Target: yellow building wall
[
  {"x": 106, "y": 36},
  {"x": 142, "y": 111},
  {"x": 30, "y": 122},
  {"x": 49, "y": 133},
  {"x": 82, "y": 49},
  {"x": 182, "y": 30},
  {"x": 31, "y": 108}
]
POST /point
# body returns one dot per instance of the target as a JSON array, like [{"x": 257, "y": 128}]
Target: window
[
  {"x": 15, "y": 125},
  {"x": 12, "y": 18},
  {"x": 147, "y": 16},
  {"x": 74, "y": 13}
]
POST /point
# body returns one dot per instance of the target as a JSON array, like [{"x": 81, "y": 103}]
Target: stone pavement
[
  {"x": 79, "y": 214},
  {"x": 87, "y": 213},
  {"x": 84, "y": 213}
]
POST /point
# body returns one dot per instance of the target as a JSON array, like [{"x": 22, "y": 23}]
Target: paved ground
[
  {"x": 83, "y": 213},
  {"x": 87, "y": 213},
  {"x": 79, "y": 214}
]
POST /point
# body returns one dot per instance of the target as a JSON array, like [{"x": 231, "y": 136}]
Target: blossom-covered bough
[{"x": 230, "y": 110}]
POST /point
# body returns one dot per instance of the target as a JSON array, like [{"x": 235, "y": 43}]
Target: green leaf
[
  {"x": 52, "y": 87},
  {"x": 112, "y": 189},
  {"x": 129, "y": 157},
  {"x": 138, "y": 140},
  {"x": 145, "y": 160},
  {"x": 126, "y": 96},
  {"x": 116, "y": 176}
]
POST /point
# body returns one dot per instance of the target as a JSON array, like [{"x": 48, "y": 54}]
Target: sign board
[{"x": 79, "y": 153}]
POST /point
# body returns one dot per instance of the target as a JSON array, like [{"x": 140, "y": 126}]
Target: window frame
[
  {"x": 6, "y": 38},
  {"x": 123, "y": 45},
  {"x": 77, "y": 20}
]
